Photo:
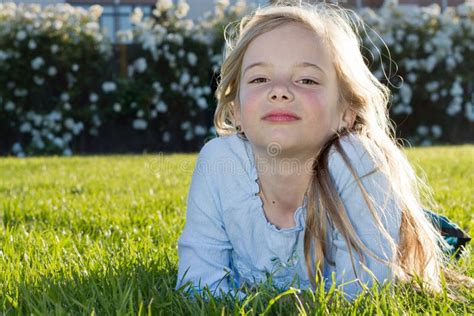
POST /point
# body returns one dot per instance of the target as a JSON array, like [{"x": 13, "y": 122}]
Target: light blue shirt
[{"x": 227, "y": 240}]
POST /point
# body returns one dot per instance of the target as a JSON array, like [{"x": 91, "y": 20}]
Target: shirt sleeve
[
  {"x": 204, "y": 248},
  {"x": 350, "y": 275}
]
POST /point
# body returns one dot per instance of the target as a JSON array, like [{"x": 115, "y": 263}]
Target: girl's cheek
[{"x": 250, "y": 100}]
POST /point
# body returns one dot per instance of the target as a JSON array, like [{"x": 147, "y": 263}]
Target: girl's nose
[{"x": 280, "y": 92}]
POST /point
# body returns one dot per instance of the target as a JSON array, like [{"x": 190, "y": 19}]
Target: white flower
[
  {"x": 96, "y": 11},
  {"x": 185, "y": 78},
  {"x": 140, "y": 113},
  {"x": 164, "y": 5},
  {"x": 9, "y": 106},
  {"x": 58, "y": 142},
  {"x": 432, "y": 86},
  {"x": 78, "y": 127},
  {"x": 411, "y": 77},
  {"x": 161, "y": 107},
  {"x": 117, "y": 107},
  {"x": 189, "y": 135},
  {"x": 67, "y": 152},
  {"x": 450, "y": 62},
  {"x": 32, "y": 44},
  {"x": 425, "y": 143},
  {"x": 174, "y": 86},
  {"x": 206, "y": 90},
  {"x": 185, "y": 125},
  {"x": 405, "y": 93},
  {"x": 37, "y": 142},
  {"x": 67, "y": 106},
  {"x": 52, "y": 71},
  {"x": 25, "y": 127},
  {"x": 239, "y": 7},
  {"x": 55, "y": 116},
  {"x": 182, "y": 9},
  {"x": 125, "y": 36},
  {"x": 202, "y": 103},
  {"x": 57, "y": 24},
  {"x": 136, "y": 16},
  {"x": 158, "y": 87},
  {"x": 222, "y": 3},
  {"x": 456, "y": 89},
  {"x": 3, "y": 55},
  {"x": 67, "y": 137},
  {"x": 166, "y": 137},
  {"x": 21, "y": 35},
  {"x": 38, "y": 80},
  {"x": 192, "y": 58},
  {"x": 20, "y": 92},
  {"x": 422, "y": 130},
  {"x": 92, "y": 27},
  {"x": 96, "y": 120},
  {"x": 469, "y": 109},
  {"x": 69, "y": 123},
  {"x": 465, "y": 9},
  {"x": 17, "y": 148},
  {"x": 75, "y": 67},
  {"x": 454, "y": 107},
  {"x": 140, "y": 124},
  {"x": 140, "y": 64},
  {"x": 436, "y": 130},
  {"x": 109, "y": 86},
  {"x": 64, "y": 97},
  {"x": 434, "y": 97},
  {"x": 54, "y": 48},
  {"x": 430, "y": 63},
  {"x": 93, "y": 97},
  {"x": 37, "y": 63},
  {"x": 200, "y": 130}
]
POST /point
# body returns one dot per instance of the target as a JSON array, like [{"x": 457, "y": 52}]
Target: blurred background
[{"x": 119, "y": 76}]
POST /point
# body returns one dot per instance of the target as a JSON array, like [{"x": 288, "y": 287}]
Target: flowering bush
[
  {"x": 56, "y": 67},
  {"x": 172, "y": 77},
  {"x": 51, "y": 66},
  {"x": 433, "y": 86}
]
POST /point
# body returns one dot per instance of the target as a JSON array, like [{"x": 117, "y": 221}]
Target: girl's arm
[
  {"x": 204, "y": 248},
  {"x": 351, "y": 275}
]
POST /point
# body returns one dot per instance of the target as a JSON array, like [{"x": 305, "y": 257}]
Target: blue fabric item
[
  {"x": 228, "y": 242},
  {"x": 454, "y": 236}
]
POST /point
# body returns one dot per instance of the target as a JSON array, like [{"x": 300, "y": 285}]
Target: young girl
[{"x": 306, "y": 180}]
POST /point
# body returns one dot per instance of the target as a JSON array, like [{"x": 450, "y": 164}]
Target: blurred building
[{"x": 378, "y": 3}]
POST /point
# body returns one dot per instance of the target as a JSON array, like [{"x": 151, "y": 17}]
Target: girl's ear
[{"x": 348, "y": 118}]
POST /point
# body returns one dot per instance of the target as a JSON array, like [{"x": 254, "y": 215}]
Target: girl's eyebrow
[{"x": 298, "y": 65}]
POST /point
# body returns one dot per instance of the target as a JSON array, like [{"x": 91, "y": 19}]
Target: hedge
[{"x": 64, "y": 88}]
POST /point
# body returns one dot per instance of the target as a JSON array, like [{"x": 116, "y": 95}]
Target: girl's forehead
[{"x": 288, "y": 42}]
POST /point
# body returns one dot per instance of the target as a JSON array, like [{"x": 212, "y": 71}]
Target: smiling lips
[{"x": 281, "y": 116}]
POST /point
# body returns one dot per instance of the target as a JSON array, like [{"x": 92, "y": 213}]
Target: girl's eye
[
  {"x": 308, "y": 81},
  {"x": 258, "y": 80}
]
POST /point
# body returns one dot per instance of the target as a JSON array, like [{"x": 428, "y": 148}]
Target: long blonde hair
[{"x": 419, "y": 251}]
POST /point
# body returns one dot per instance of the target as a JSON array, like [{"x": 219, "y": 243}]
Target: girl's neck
[{"x": 283, "y": 182}]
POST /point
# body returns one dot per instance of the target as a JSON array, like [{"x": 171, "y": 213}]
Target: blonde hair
[{"x": 419, "y": 251}]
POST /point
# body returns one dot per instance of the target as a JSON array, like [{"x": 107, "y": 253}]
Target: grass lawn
[{"x": 98, "y": 235}]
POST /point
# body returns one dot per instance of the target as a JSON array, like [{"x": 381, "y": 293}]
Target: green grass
[{"x": 98, "y": 235}]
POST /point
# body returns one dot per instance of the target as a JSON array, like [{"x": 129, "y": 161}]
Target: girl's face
[{"x": 288, "y": 69}]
